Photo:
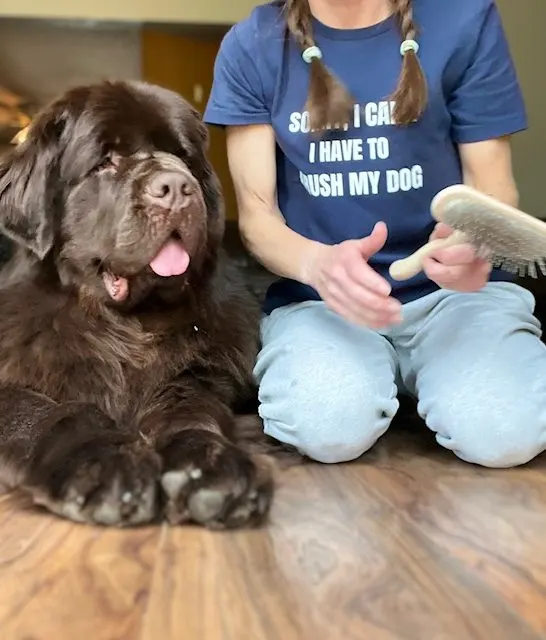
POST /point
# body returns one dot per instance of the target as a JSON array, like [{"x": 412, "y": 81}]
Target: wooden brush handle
[{"x": 406, "y": 268}]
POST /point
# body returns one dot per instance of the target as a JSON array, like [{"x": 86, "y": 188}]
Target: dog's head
[{"x": 113, "y": 188}]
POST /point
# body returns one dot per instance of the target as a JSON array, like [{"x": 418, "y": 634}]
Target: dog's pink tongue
[{"x": 172, "y": 259}]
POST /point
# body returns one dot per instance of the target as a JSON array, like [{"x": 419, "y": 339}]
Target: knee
[
  {"x": 496, "y": 437},
  {"x": 506, "y": 451},
  {"x": 331, "y": 412},
  {"x": 498, "y": 455},
  {"x": 341, "y": 431},
  {"x": 336, "y": 447}
]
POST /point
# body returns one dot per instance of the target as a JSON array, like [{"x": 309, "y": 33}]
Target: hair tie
[
  {"x": 311, "y": 53},
  {"x": 409, "y": 45}
]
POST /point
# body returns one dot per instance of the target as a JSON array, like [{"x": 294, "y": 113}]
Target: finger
[
  {"x": 362, "y": 297},
  {"x": 361, "y": 316},
  {"x": 342, "y": 311},
  {"x": 365, "y": 299},
  {"x": 373, "y": 243},
  {"x": 470, "y": 286},
  {"x": 448, "y": 275},
  {"x": 441, "y": 273},
  {"x": 361, "y": 288},
  {"x": 366, "y": 305},
  {"x": 359, "y": 272},
  {"x": 459, "y": 254},
  {"x": 441, "y": 230}
]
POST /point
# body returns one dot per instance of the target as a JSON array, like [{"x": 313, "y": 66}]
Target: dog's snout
[{"x": 170, "y": 189}]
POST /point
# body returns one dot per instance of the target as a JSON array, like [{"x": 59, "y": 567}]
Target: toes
[
  {"x": 252, "y": 508},
  {"x": 117, "y": 491},
  {"x": 191, "y": 496},
  {"x": 240, "y": 515},
  {"x": 108, "y": 505},
  {"x": 210, "y": 481},
  {"x": 71, "y": 508},
  {"x": 206, "y": 505},
  {"x": 107, "y": 513},
  {"x": 123, "y": 507},
  {"x": 232, "y": 501},
  {"x": 173, "y": 482},
  {"x": 147, "y": 506}
]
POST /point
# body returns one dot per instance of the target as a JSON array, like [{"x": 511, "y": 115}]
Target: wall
[
  {"x": 181, "y": 11},
  {"x": 41, "y": 59},
  {"x": 524, "y": 21}
]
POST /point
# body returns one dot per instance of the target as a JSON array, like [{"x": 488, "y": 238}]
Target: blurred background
[
  {"x": 47, "y": 46},
  {"x": 405, "y": 542}
]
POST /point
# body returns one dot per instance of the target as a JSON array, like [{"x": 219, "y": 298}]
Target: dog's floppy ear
[{"x": 27, "y": 190}]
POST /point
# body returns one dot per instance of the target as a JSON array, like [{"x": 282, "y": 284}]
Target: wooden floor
[{"x": 406, "y": 544}]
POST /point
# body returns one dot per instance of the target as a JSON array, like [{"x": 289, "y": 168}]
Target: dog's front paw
[
  {"x": 209, "y": 481},
  {"x": 101, "y": 478}
]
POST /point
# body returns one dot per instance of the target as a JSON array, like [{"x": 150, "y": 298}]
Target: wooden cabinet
[{"x": 184, "y": 63}]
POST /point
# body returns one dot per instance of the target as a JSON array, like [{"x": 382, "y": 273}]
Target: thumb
[{"x": 373, "y": 243}]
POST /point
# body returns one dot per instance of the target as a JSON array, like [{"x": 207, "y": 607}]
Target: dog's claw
[
  {"x": 173, "y": 482},
  {"x": 206, "y": 505},
  {"x": 196, "y": 474}
]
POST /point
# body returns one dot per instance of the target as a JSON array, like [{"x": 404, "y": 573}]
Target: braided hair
[{"x": 328, "y": 101}]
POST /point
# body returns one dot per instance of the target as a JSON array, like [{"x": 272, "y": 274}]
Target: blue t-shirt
[{"x": 338, "y": 185}]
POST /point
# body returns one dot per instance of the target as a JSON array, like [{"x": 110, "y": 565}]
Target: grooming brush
[{"x": 507, "y": 237}]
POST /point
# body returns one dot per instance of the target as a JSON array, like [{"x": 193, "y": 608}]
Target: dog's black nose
[{"x": 169, "y": 189}]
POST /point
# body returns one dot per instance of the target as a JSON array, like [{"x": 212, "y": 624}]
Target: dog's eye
[
  {"x": 105, "y": 163},
  {"x": 109, "y": 162}
]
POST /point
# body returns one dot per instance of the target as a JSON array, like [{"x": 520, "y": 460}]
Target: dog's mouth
[
  {"x": 171, "y": 260},
  {"x": 116, "y": 286}
]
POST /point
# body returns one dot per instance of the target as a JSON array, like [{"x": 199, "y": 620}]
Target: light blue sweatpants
[{"x": 474, "y": 361}]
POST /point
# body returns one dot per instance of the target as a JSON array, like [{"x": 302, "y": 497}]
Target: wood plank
[
  {"x": 406, "y": 544},
  {"x": 60, "y": 580}
]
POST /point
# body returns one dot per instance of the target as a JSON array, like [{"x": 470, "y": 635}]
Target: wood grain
[{"x": 406, "y": 544}]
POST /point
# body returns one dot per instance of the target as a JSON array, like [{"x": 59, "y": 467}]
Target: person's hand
[
  {"x": 458, "y": 267},
  {"x": 349, "y": 286}
]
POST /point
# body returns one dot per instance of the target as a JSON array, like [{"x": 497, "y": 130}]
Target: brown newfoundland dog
[{"x": 126, "y": 341}]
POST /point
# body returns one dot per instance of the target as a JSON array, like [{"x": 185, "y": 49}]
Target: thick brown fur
[
  {"x": 329, "y": 103},
  {"x": 122, "y": 412}
]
